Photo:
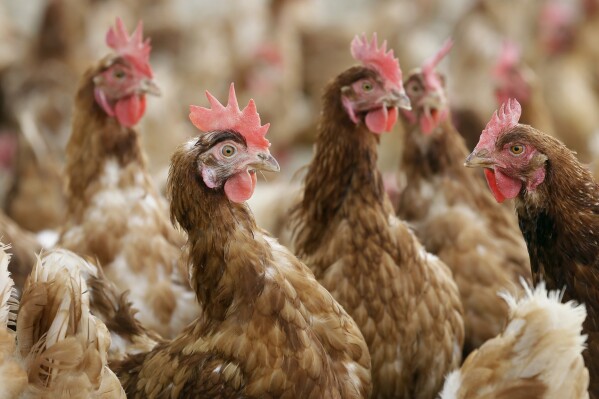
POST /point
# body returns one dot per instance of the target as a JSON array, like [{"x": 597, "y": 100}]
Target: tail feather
[
  {"x": 539, "y": 353},
  {"x": 64, "y": 347}
]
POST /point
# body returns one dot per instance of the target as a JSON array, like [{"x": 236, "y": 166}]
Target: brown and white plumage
[
  {"x": 557, "y": 202},
  {"x": 115, "y": 213},
  {"x": 267, "y": 327},
  {"x": 452, "y": 211},
  {"x": 61, "y": 349},
  {"x": 538, "y": 355},
  {"x": 403, "y": 299}
]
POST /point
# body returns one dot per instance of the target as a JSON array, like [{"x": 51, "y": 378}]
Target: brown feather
[{"x": 403, "y": 299}]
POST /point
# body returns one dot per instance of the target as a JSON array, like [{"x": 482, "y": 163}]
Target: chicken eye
[
  {"x": 414, "y": 88},
  {"x": 228, "y": 150},
  {"x": 517, "y": 149},
  {"x": 119, "y": 74},
  {"x": 367, "y": 86}
]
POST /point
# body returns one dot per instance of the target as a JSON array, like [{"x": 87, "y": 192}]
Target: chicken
[
  {"x": 60, "y": 347},
  {"x": 451, "y": 210},
  {"x": 114, "y": 211},
  {"x": 516, "y": 80},
  {"x": 557, "y": 202},
  {"x": 537, "y": 356},
  {"x": 267, "y": 328},
  {"x": 24, "y": 246},
  {"x": 403, "y": 298}
]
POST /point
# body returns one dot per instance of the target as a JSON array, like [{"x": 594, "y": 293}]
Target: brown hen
[
  {"x": 557, "y": 202},
  {"x": 115, "y": 213},
  {"x": 403, "y": 298},
  {"x": 268, "y": 328},
  {"x": 451, "y": 210}
]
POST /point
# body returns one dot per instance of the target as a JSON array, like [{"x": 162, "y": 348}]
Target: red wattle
[
  {"x": 490, "y": 176},
  {"x": 129, "y": 110},
  {"x": 240, "y": 187},
  {"x": 501, "y": 185},
  {"x": 381, "y": 120}
]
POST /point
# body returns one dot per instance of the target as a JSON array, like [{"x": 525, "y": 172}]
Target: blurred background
[{"x": 282, "y": 53}]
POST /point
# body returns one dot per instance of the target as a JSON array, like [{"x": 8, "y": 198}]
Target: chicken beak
[
  {"x": 397, "y": 98},
  {"x": 479, "y": 159},
  {"x": 266, "y": 162},
  {"x": 150, "y": 87}
]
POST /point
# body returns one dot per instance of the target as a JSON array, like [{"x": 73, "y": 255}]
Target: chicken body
[
  {"x": 403, "y": 298},
  {"x": 60, "y": 347},
  {"x": 557, "y": 202},
  {"x": 537, "y": 355},
  {"x": 267, "y": 329},
  {"x": 454, "y": 215},
  {"x": 116, "y": 215}
]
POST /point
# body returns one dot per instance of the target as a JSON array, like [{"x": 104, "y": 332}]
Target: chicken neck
[
  {"x": 342, "y": 174},
  {"x": 442, "y": 151},
  {"x": 95, "y": 138},
  {"x": 226, "y": 261}
]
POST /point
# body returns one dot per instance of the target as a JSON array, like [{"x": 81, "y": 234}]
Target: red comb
[
  {"x": 131, "y": 47},
  {"x": 383, "y": 61},
  {"x": 506, "y": 117},
  {"x": 428, "y": 68},
  {"x": 508, "y": 58},
  {"x": 219, "y": 117}
]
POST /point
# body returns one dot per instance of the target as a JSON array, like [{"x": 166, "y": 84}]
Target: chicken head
[
  {"x": 512, "y": 80},
  {"x": 233, "y": 147},
  {"x": 121, "y": 86},
  {"x": 426, "y": 89},
  {"x": 375, "y": 94},
  {"x": 511, "y": 161}
]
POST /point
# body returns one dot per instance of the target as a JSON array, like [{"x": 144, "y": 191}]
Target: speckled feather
[
  {"x": 457, "y": 219},
  {"x": 267, "y": 329},
  {"x": 403, "y": 299},
  {"x": 116, "y": 215}
]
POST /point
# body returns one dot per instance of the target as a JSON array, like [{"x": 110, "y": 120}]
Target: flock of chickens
[{"x": 416, "y": 285}]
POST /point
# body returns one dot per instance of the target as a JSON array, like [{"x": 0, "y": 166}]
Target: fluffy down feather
[
  {"x": 537, "y": 356},
  {"x": 60, "y": 345}
]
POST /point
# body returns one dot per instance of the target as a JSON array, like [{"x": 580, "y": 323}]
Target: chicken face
[
  {"x": 120, "y": 90},
  {"x": 512, "y": 80},
  {"x": 367, "y": 97},
  {"x": 511, "y": 83},
  {"x": 429, "y": 104},
  {"x": 508, "y": 155},
  {"x": 229, "y": 162}
]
